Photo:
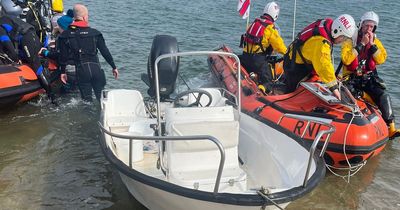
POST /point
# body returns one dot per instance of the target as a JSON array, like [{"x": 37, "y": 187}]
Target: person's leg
[
  {"x": 294, "y": 75},
  {"x": 247, "y": 62},
  {"x": 385, "y": 105},
  {"x": 382, "y": 99},
  {"x": 265, "y": 75},
  {"x": 71, "y": 82},
  {"x": 84, "y": 81},
  {"x": 258, "y": 69},
  {"x": 98, "y": 79}
]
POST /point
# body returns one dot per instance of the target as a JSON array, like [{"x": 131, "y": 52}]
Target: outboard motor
[
  {"x": 167, "y": 68},
  {"x": 8, "y": 7}
]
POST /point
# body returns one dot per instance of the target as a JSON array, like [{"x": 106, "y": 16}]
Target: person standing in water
[{"x": 83, "y": 42}]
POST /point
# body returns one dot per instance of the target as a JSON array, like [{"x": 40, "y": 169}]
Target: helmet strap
[{"x": 267, "y": 16}]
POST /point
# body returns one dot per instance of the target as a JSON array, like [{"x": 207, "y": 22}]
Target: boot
[
  {"x": 393, "y": 132},
  {"x": 263, "y": 89}
]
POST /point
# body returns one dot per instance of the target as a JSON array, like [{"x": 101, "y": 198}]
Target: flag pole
[
  {"x": 294, "y": 18},
  {"x": 244, "y": 10},
  {"x": 248, "y": 17}
]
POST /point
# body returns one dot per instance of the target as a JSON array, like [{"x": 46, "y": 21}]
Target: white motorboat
[{"x": 197, "y": 150}]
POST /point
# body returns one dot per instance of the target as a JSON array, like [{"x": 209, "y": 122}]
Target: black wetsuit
[
  {"x": 83, "y": 43},
  {"x": 24, "y": 36},
  {"x": 7, "y": 48},
  {"x": 54, "y": 54},
  {"x": 375, "y": 87}
]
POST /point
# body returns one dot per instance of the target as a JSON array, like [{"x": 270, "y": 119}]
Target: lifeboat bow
[{"x": 361, "y": 132}]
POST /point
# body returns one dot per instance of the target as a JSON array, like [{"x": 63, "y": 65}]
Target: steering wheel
[{"x": 200, "y": 93}]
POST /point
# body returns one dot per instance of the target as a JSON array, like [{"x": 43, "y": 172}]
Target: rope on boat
[
  {"x": 352, "y": 169},
  {"x": 263, "y": 192}
]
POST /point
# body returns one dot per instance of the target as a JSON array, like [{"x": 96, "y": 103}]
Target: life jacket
[
  {"x": 255, "y": 33},
  {"x": 364, "y": 61},
  {"x": 294, "y": 73},
  {"x": 321, "y": 27}
]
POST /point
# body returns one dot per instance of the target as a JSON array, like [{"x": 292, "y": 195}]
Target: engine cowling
[{"x": 167, "y": 68}]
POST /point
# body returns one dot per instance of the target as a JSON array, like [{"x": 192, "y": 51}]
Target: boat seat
[
  {"x": 194, "y": 164},
  {"x": 123, "y": 102},
  {"x": 122, "y": 148},
  {"x": 140, "y": 127},
  {"x": 123, "y": 107}
]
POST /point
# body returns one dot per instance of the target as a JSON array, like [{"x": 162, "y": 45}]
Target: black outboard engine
[{"x": 167, "y": 67}]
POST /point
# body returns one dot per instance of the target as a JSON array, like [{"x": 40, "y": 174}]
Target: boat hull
[
  {"x": 154, "y": 198},
  {"x": 19, "y": 84},
  {"x": 150, "y": 186},
  {"x": 155, "y": 192}
]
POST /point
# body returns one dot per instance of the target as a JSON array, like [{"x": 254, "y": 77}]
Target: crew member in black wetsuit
[
  {"x": 24, "y": 35},
  {"x": 82, "y": 41},
  {"x": 7, "y": 48},
  {"x": 52, "y": 52}
]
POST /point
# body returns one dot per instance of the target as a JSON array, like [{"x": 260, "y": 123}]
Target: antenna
[{"x": 294, "y": 18}]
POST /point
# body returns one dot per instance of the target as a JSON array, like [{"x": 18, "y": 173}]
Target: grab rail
[
  {"x": 173, "y": 138},
  {"x": 316, "y": 140}
]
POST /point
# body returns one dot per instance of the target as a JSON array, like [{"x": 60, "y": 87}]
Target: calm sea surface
[{"x": 50, "y": 157}]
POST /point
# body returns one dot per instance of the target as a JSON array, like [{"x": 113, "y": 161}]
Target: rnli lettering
[
  {"x": 345, "y": 22},
  {"x": 312, "y": 129},
  {"x": 297, "y": 128}
]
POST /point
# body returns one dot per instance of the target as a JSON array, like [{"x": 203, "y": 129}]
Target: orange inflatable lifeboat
[
  {"x": 19, "y": 83},
  {"x": 361, "y": 132}
]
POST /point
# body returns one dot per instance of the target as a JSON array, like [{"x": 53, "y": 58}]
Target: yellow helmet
[{"x": 57, "y": 6}]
